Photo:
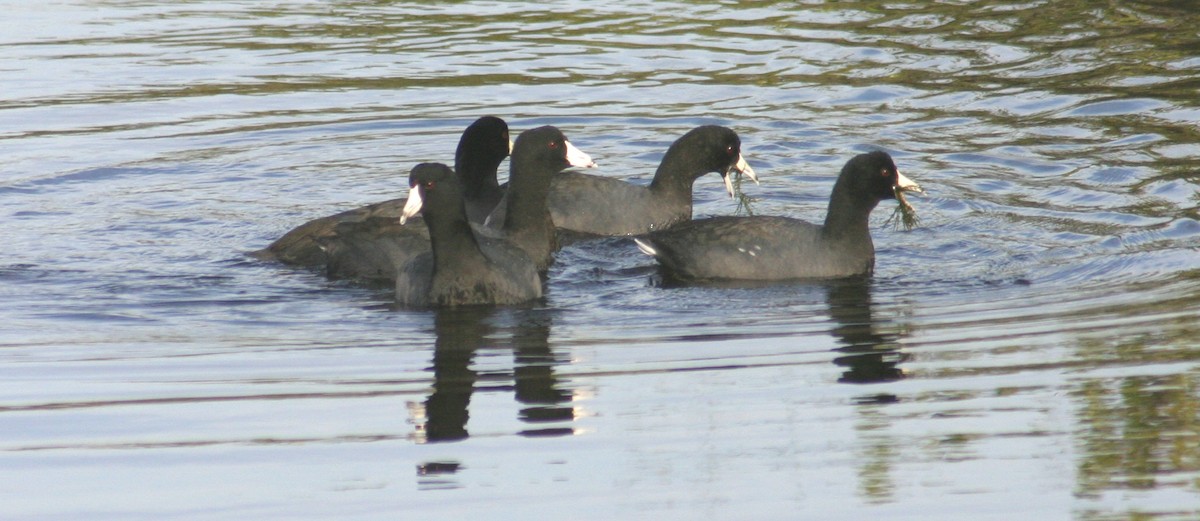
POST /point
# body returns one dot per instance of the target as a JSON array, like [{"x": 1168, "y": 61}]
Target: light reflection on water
[{"x": 1028, "y": 351}]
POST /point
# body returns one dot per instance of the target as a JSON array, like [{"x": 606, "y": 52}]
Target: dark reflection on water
[
  {"x": 870, "y": 349},
  {"x": 870, "y": 356},
  {"x": 460, "y": 334},
  {"x": 541, "y": 393}
]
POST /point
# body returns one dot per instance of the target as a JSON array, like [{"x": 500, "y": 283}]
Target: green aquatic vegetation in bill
[
  {"x": 905, "y": 215},
  {"x": 743, "y": 200}
]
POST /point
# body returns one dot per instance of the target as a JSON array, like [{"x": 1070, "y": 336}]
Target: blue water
[{"x": 1028, "y": 352}]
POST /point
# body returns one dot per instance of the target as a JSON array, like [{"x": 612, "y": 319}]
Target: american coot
[
  {"x": 538, "y": 155},
  {"x": 480, "y": 266},
  {"x": 776, "y": 248},
  {"x": 462, "y": 268},
  {"x": 597, "y": 205},
  {"x": 367, "y": 243},
  {"x": 606, "y": 206},
  {"x": 484, "y": 144}
]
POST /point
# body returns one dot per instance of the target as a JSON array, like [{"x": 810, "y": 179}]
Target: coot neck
[
  {"x": 478, "y": 176},
  {"x": 527, "y": 218},
  {"x": 677, "y": 173},
  {"x": 451, "y": 239},
  {"x": 848, "y": 216},
  {"x": 528, "y": 187}
]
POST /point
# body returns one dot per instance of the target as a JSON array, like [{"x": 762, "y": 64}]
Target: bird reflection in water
[
  {"x": 537, "y": 387},
  {"x": 869, "y": 356},
  {"x": 461, "y": 332}
]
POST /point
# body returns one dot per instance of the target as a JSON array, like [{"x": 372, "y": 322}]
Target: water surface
[{"x": 1029, "y": 352}]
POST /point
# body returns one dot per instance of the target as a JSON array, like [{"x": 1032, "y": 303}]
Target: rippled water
[{"x": 1029, "y": 352}]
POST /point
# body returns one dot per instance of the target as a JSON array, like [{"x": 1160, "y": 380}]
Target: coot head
[
  {"x": 548, "y": 148},
  {"x": 873, "y": 176},
  {"x": 483, "y": 145},
  {"x": 431, "y": 185},
  {"x": 704, "y": 149}
]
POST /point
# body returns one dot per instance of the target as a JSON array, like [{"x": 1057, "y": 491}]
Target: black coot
[
  {"x": 469, "y": 265},
  {"x": 462, "y": 268},
  {"x": 777, "y": 248},
  {"x": 538, "y": 155},
  {"x": 596, "y": 205},
  {"x": 368, "y": 244}
]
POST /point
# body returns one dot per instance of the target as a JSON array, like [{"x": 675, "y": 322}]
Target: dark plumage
[
  {"x": 597, "y": 205},
  {"x": 462, "y": 268},
  {"x": 368, "y": 244},
  {"x": 777, "y": 248},
  {"x": 538, "y": 155},
  {"x": 478, "y": 266},
  {"x": 483, "y": 146}
]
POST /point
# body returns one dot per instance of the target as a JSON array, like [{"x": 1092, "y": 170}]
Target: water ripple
[{"x": 1042, "y": 317}]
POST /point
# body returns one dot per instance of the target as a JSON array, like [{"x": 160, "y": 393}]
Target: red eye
[
  {"x": 429, "y": 185},
  {"x": 885, "y": 173},
  {"x": 553, "y": 145},
  {"x": 729, "y": 150}
]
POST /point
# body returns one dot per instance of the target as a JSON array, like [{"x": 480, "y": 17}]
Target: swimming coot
[
  {"x": 462, "y": 268},
  {"x": 596, "y": 205},
  {"x": 776, "y": 248},
  {"x": 537, "y": 156},
  {"x": 367, "y": 244}
]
